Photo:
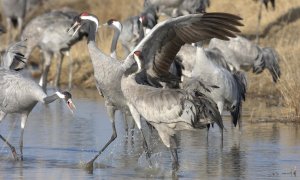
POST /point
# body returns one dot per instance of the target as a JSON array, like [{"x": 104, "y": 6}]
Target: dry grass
[{"x": 280, "y": 29}]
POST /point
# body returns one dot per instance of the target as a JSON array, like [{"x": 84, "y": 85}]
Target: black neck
[
  {"x": 50, "y": 99},
  {"x": 92, "y": 32}
]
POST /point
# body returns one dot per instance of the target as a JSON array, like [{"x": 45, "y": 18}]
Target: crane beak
[
  {"x": 71, "y": 105},
  {"x": 105, "y": 24},
  {"x": 76, "y": 24}
]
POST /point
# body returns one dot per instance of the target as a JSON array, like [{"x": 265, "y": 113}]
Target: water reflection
[{"x": 58, "y": 143}]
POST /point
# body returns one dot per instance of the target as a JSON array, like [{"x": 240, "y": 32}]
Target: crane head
[
  {"x": 114, "y": 23},
  {"x": 143, "y": 20},
  {"x": 81, "y": 19},
  {"x": 68, "y": 99}
]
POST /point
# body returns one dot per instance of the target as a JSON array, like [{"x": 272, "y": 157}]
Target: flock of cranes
[{"x": 169, "y": 78}]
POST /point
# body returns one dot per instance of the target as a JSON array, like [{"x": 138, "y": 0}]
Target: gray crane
[
  {"x": 108, "y": 73},
  {"x": 109, "y": 78},
  {"x": 48, "y": 32},
  {"x": 19, "y": 95},
  {"x": 231, "y": 87},
  {"x": 176, "y": 8},
  {"x": 14, "y": 12},
  {"x": 240, "y": 53},
  {"x": 169, "y": 110}
]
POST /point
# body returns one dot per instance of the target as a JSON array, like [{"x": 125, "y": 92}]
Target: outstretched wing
[{"x": 163, "y": 42}]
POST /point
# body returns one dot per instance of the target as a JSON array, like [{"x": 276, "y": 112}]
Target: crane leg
[
  {"x": 70, "y": 70},
  {"x": 60, "y": 58},
  {"x": 175, "y": 164},
  {"x": 137, "y": 119},
  {"x": 23, "y": 123},
  {"x": 207, "y": 127},
  {"x": 111, "y": 113},
  {"x": 12, "y": 148},
  {"x": 146, "y": 147},
  {"x": 258, "y": 22}
]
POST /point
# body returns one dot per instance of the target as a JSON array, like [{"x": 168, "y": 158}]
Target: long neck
[
  {"x": 51, "y": 98},
  {"x": 94, "y": 51},
  {"x": 92, "y": 32},
  {"x": 114, "y": 43}
]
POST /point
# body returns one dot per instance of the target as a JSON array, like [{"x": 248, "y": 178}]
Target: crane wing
[{"x": 163, "y": 42}]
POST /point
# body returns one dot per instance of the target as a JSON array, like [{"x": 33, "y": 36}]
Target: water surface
[{"x": 57, "y": 144}]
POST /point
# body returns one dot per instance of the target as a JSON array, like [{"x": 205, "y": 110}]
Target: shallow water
[{"x": 57, "y": 144}]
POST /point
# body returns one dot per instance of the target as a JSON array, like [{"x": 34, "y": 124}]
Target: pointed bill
[{"x": 71, "y": 105}]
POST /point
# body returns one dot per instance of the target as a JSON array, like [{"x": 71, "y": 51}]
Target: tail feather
[
  {"x": 207, "y": 109},
  {"x": 241, "y": 81},
  {"x": 236, "y": 114}
]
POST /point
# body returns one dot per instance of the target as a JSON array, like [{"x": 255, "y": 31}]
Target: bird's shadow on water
[{"x": 290, "y": 16}]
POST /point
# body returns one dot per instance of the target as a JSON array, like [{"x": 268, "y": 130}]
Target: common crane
[
  {"x": 19, "y": 95},
  {"x": 231, "y": 87},
  {"x": 48, "y": 32},
  {"x": 108, "y": 72},
  {"x": 242, "y": 54}
]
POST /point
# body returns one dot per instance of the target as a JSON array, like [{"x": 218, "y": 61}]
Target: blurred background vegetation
[{"x": 280, "y": 29}]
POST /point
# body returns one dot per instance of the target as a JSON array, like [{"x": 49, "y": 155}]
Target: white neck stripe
[
  {"x": 118, "y": 25},
  {"x": 91, "y": 18},
  {"x": 60, "y": 95}
]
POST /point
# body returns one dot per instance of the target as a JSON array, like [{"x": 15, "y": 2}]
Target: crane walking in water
[
  {"x": 19, "y": 95},
  {"x": 159, "y": 48}
]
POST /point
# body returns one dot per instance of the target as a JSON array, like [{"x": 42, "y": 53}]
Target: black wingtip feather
[{"x": 222, "y": 15}]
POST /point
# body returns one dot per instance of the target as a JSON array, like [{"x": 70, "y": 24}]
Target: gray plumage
[
  {"x": 19, "y": 95},
  {"x": 14, "y": 12},
  {"x": 149, "y": 17},
  {"x": 109, "y": 71},
  {"x": 217, "y": 57},
  {"x": 131, "y": 34},
  {"x": 176, "y": 8},
  {"x": 32, "y": 4},
  {"x": 135, "y": 28},
  {"x": 12, "y": 56},
  {"x": 241, "y": 53},
  {"x": 169, "y": 110},
  {"x": 49, "y": 33},
  {"x": 230, "y": 89}
]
